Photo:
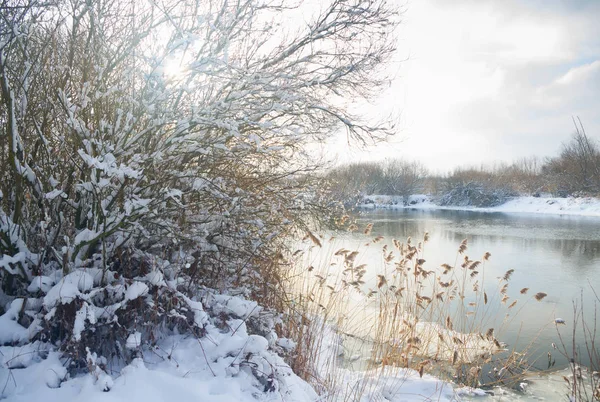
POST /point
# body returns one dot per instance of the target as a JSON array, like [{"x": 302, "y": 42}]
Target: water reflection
[{"x": 575, "y": 238}]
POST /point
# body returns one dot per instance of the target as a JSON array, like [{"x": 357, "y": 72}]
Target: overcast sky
[{"x": 491, "y": 80}]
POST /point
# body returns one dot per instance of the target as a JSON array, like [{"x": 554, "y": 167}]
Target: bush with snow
[
  {"x": 133, "y": 193},
  {"x": 476, "y": 195}
]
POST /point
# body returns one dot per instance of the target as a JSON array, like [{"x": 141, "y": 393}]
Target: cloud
[
  {"x": 580, "y": 74},
  {"x": 489, "y": 80}
]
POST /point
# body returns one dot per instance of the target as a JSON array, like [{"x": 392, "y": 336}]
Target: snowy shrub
[
  {"x": 156, "y": 156},
  {"x": 474, "y": 194}
]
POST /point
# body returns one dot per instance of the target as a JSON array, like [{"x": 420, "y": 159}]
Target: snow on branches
[{"x": 150, "y": 152}]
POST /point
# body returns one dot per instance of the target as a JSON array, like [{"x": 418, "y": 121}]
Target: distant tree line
[
  {"x": 574, "y": 171},
  {"x": 391, "y": 177}
]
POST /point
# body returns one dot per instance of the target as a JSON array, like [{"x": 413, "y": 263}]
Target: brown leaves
[
  {"x": 457, "y": 340},
  {"x": 539, "y": 296},
  {"x": 447, "y": 268},
  {"x": 389, "y": 257},
  {"x": 446, "y": 284},
  {"x": 524, "y": 290},
  {"x": 313, "y": 238},
  {"x": 474, "y": 265},
  {"x": 507, "y": 275},
  {"x": 422, "y": 367},
  {"x": 414, "y": 340},
  {"x": 351, "y": 257},
  {"x": 475, "y": 371},
  {"x": 341, "y": 251}
]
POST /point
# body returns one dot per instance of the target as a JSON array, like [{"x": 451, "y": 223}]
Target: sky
[{"x": 486, "y": 81}]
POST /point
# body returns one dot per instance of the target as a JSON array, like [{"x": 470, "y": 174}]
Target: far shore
[{"x": 579, "y": 206}]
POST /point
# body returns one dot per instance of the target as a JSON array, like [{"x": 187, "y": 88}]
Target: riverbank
[
  {"x": 578, "y": 206},
  {"x": 226, "y": 368}
]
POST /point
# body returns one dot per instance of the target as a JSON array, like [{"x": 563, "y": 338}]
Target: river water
[{"x": 557, "y": 255}]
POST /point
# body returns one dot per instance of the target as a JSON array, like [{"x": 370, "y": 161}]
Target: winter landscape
[{"x": 231, "y": 201}]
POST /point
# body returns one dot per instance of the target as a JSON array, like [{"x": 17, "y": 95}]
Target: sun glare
[{"x": 174, "y": 68}]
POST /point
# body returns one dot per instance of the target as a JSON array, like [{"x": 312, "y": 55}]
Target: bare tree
[
  {"x": 349, "y": 183},
  {"x": 392, "y": 177},
  {"x": 578, "y": 166},
  {"x": 403, "y": 178}
]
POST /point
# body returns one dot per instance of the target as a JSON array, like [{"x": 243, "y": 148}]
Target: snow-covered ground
[
  {"x": 583, "y": 206},
  {"x": 227, "y": 364},
  {"x": 176, "y": 371},
  {"x": 382, "y": 384}
]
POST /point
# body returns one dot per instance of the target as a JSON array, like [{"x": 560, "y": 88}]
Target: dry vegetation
[
  {"x": 154, "y": 154},
  {"x": 583, "y": 375},
  {"x": 449, "y": 320}
]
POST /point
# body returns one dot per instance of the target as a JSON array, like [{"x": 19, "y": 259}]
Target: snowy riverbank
[
  {"x": 580, "y": 206},
  {"x": 232, "y": 362},
  {"x": 227, "y": 364},
  {"x": 225, "y": 368}
]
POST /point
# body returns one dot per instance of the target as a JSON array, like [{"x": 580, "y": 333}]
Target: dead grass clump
[{"x": 406, "y": 315}]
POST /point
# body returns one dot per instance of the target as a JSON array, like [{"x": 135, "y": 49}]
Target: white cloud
[
  {"x": 490, "y": 80},
  {"x": 579, "y": 74}
]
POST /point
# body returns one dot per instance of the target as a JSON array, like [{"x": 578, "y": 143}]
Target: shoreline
[{"x": 571, "y": 206}]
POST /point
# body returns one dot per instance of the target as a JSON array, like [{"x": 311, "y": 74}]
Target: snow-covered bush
[
  {"x": 153, "y": 155},
  {"x": 476, "y": 195}
]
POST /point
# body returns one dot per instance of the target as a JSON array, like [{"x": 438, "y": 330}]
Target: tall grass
[
  {"x": 399, "y": 313},
  {"x": 583, "y": 378}
]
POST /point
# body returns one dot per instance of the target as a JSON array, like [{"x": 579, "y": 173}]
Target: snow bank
[
  {"x": 387, "y": 383},
  {"x": 394, "y": 201},
  {"x": 395, "y": 385},
  {"x": 69, "y": 288},
  {"x": 222, "y": 367},
  {"x": 581, "y": 206},
  {"x": 585, "y": 206},
  {"x": 227, "y": 364},
  {"x": 10, "y": 330}
]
